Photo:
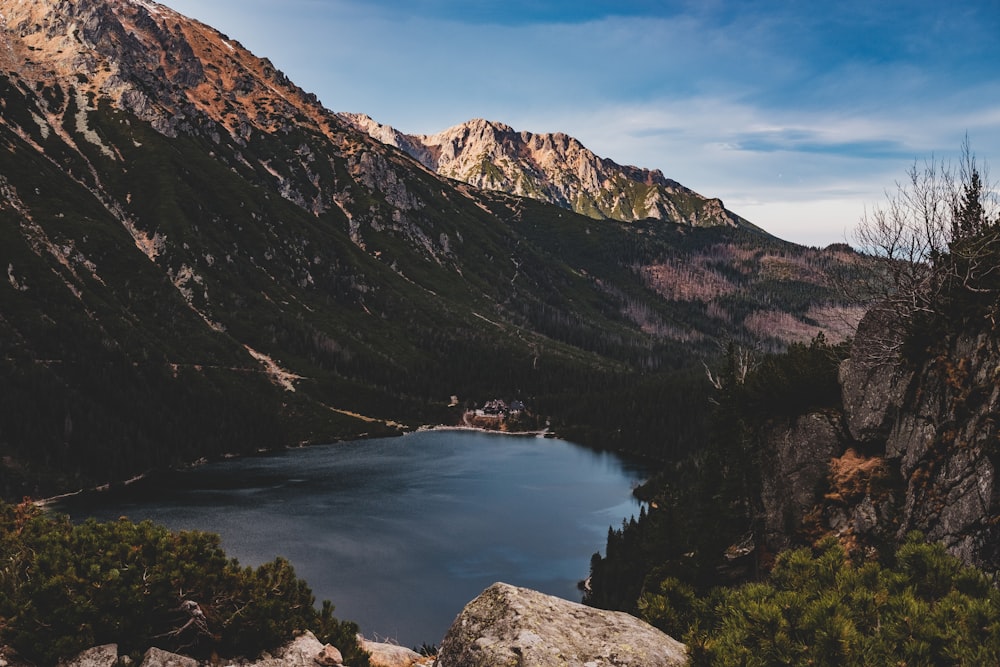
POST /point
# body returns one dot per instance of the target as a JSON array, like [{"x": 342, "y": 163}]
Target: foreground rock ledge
[
  {"x": 517, "y": 627},
  {"x": 304, "y": 651}
]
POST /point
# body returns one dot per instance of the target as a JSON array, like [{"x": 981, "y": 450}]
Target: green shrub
[
  {"x": 922, "y": 608},
  {"x": 66, "y": 587}
]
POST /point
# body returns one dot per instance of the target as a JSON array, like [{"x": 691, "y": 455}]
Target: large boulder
[
  {"x": 99, "y": 656},
  {"x": 511, "y": 626}
]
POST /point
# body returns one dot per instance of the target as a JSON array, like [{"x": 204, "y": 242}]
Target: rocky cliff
[
  {"x": 914, "y": 448},
  {"x": 554, "y": 168}
]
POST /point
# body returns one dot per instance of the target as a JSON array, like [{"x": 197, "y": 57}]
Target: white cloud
[{"x": 803, "y": 175}]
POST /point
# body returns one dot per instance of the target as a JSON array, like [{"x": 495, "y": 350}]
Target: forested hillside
[
  {"x": 202, "y": 260},
  {"x": 854, "y": 483}
]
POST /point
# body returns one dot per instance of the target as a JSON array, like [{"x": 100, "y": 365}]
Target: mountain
[
  {"x": 554, "y": 168},
  {"x": 202, "y": 260}
]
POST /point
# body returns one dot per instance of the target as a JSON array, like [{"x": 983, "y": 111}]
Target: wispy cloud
[{"x": 803, "y": 141}]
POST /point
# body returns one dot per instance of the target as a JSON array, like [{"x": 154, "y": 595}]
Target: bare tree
[
  {"x": 740, "y": 361},
  {"x": 905, "y": 234},
  {"x": 935, "y": 233}
]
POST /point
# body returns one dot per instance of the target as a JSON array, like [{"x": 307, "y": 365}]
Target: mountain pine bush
[
  {"x": 67, "y": 587},
  {"x": 921, "y": 607}
]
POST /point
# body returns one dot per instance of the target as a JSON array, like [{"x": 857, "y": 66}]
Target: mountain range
[
  {"x": 554, "y": 168},
  {"x": 202, "y": 260}
]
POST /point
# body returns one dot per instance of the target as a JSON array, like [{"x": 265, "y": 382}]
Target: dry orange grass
[{"x": 852, "y": 474}]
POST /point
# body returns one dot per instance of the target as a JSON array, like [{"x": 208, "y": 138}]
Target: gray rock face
[
  {"x": 874, "y": 385},
  {"x": 507, "y": 625},
  {"x": 936, "y": 426},
  {"x": 797, "y": 459},
  {"x": 945, "y": 444},
  {"x": 917, "y": 450}
]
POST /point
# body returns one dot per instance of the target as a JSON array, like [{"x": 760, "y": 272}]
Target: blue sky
[{"x": 798, "y": 114}]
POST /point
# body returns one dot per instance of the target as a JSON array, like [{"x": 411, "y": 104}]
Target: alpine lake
[{"x": 400, "y": 533}]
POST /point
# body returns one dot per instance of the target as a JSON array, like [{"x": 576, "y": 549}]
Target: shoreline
[
  {"x": 46, "y": 503},
  {"x": 543, "y": 433}
]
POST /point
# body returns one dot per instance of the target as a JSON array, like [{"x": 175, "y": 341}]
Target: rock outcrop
[
  {"x": 156, "y": 657},
  {"x": 303, "y": 651},
  {"x": 507, "y": 625},
  {"x": 798, "y": 462},
  {"x": 936, "y": 427},
  {"x": 874, "y": 384},
  {"x": 917, "y": 451}
]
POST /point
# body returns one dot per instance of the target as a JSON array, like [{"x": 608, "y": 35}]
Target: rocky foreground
[
  {"x": 504, "y": 625},
  {"x": 507, "y": 625},
  {"x": 304, "y": 651}
]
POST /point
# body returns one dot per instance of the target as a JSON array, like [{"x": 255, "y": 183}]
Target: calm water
[{"x": 401, "y": 533}]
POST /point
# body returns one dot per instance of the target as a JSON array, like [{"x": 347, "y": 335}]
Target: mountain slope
[
  {"x": 554, "y": 168},
  {"x": 202, "y": 260}
]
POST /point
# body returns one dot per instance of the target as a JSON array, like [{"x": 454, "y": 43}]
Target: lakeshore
[{"x": 400, "y": 532}]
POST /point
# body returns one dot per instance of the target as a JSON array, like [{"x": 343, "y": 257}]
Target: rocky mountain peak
[
  {"x": 186, "y": 78},
  {"x": 484, "y": 126},
  {"x": 553, "y": 167},
  {"x": 149, "y": 60}
]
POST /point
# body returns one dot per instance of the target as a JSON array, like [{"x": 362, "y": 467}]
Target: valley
[
  {"x": 245, "y": 270},
  {"x": 204, "y": 263}
]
